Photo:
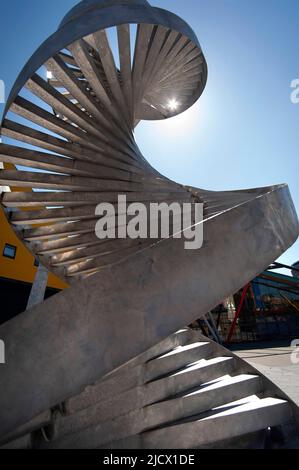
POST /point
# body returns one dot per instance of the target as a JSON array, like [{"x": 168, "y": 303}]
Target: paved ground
[{"x": 276, "y": 361}]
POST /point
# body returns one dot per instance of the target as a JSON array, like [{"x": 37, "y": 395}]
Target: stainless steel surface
[{"x": 124, "y": 301}]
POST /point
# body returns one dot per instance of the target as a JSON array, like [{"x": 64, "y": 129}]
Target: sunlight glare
[{"x": 173, "y": 104}]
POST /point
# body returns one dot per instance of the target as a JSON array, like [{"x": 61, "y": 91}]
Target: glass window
[{"x": 9, "y": 251}]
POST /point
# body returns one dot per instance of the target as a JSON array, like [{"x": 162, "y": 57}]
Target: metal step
[
  {"x": 204, "y": 398},
  {"x": 40, "y": 421},
  {"x": 229, "y": 421},
  {"x": 21, "y": 443},
  {"x": 177, "y": 359},
  {"x": 135, "y": 399}
]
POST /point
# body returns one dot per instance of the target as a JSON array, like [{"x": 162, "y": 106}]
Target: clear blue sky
[{"x": 244, "y": 131}]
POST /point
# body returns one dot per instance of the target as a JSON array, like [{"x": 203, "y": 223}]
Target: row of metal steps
[{"x": 187, "y": 392}]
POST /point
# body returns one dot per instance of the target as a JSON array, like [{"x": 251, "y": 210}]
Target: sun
[{"x": 173, "y": 104}]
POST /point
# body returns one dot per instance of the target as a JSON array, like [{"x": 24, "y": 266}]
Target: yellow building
[
  {"x": 16, "y": 262},
  {"x": 17, "y": 271}
]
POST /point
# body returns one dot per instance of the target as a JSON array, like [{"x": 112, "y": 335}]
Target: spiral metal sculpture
[
  {"x": 111, "y": 64},
  {"x": 98, "y": 99}
]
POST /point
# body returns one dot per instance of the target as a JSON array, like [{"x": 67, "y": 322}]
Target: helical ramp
[{"x": 106, "y": 362}]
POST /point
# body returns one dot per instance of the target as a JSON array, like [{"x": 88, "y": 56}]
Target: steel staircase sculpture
[{"x": 111, "y": 64}]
